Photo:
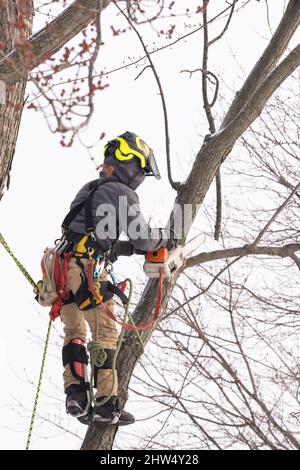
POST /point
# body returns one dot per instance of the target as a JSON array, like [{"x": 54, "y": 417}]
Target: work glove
[
  {"x": 120, "y": 248},
  {"x": 172, "y": 241},
  {"x": 136, "y": 251}
]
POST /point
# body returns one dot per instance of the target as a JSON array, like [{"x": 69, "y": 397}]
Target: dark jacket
[{"x": 111, "y": 213}]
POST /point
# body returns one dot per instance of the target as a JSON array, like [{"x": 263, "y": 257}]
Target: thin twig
[
  {"x": 226, "y": 25},
  {"x": 175, "y": 185},
  {"x": 275, "y": 215},
  {"x": 210, "y": 119}
]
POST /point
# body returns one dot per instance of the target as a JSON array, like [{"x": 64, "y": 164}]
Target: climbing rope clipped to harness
[
  {"x": 54, "y": 290},
  {"x": 39, "y": 384}
]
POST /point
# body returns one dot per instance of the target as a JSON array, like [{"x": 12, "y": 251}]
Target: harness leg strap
[{"x": 84, "y": 298}]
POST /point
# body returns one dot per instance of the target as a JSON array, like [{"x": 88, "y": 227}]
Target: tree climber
[{"x": 99, "y": 213}]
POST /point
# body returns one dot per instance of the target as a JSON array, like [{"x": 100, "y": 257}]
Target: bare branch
[
  {"x": 226, "y": 25},
  {"x": 208, "y": 106},
  {"x": 261, "y": 96},
  {"x": 275, "y": 215},
  {"x": 284, "y": 251},
  {"x": 296, "y": 259},
  {"x": 175, "y": 185},
  {"x": 48, "y": 40}
]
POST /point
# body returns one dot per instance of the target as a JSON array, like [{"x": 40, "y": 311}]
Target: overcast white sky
[{"x": 45, "y": 177}]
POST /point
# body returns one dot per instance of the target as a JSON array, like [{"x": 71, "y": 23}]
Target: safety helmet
[{"x": 129, "y": 145}]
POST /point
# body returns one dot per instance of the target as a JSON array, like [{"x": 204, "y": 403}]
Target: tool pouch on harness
[
  {"x": 46, "y": 292},
  {"x": 107, "y": 364},
  {"x": 52, "y": 289}
]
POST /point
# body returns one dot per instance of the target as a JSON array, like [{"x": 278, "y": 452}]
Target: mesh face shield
[{"x": 152, "y": 167}]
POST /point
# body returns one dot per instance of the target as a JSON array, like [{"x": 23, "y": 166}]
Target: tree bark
[
  {"x": 15, "y": 25},
  {"x": 246, "y": 107}
]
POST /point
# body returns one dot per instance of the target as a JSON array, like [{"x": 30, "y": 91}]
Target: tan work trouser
[{"x": 75, "y": 327}]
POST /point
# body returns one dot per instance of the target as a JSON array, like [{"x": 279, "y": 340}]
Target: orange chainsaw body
[
  {"x": 169, "y": 262},
  {"x": 158, "y": 256}
]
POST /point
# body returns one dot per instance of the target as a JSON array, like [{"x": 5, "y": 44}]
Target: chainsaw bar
[{"x": 193, "y": 244}]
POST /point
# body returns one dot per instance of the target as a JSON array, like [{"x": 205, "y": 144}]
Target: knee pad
[
  {"x": 76, "y": 356},
  {"x": 106, "y": 365}
]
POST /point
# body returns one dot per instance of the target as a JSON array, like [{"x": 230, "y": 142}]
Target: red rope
[{"x": 60, "y": 278}]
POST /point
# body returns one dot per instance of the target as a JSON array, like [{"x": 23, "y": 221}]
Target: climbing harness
[
  {"x": 53, "y": 286},
  {"x": 52, "y": 290},
  {"x": 100, "y": 299}
]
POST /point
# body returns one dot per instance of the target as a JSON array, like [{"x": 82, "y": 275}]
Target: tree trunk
[
  {"x": 247, "y": 106},
  {"x": 15, "y": 25}
]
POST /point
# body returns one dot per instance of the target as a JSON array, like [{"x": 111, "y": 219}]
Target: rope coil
[{"x": 97, "y": 353}]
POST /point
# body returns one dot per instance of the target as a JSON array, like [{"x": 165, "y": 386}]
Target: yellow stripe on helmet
[{"x": 125, "y": 153}]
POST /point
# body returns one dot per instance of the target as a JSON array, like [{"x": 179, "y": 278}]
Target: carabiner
[{"x": 91, "y": 252}]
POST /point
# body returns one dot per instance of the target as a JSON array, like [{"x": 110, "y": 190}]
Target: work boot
[
  {"x": 76, "y": 401},
  {"x": 109, "y": 413},
  {"x": 126, "y": 418},
  {"x": 88, "y": 418}
]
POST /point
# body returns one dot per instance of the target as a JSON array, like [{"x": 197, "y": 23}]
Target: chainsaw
[{"x": 169, "y": 261}]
